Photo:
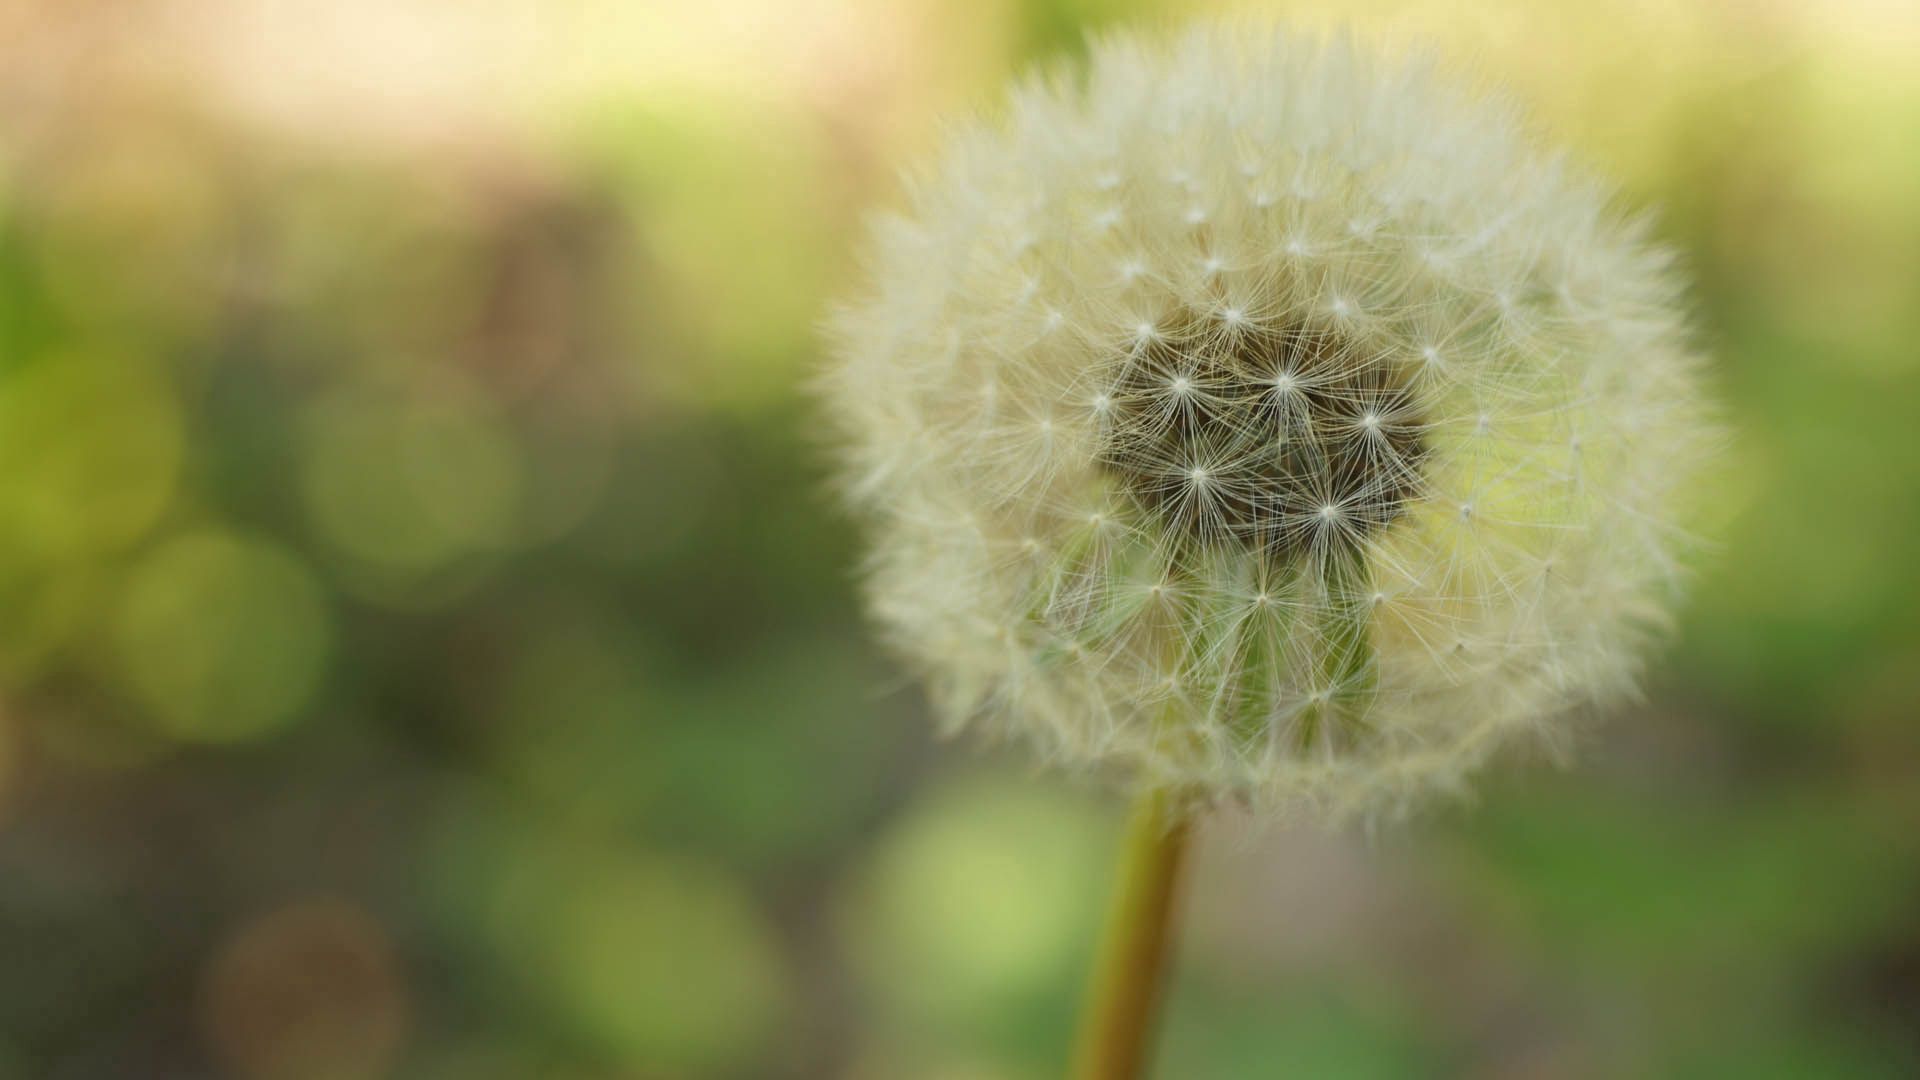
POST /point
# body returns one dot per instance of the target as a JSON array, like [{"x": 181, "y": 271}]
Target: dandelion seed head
[{"x": 1316, "y": 527}]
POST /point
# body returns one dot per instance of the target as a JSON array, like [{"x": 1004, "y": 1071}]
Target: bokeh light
[
  {"x": 89, "y": 449},
  {"x": 417, "y": 492},
  {"x": 312, "y": 991},
  {"x": 649, "y": 960},
  {"x": 977, "y": 902},
  {"x": 222, "y": 636}
]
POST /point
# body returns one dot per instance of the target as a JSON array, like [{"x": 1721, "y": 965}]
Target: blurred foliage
[{"x": 428, "y": 648}]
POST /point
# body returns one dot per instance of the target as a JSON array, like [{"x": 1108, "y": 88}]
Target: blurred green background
[{"x": 427, "y": 648}]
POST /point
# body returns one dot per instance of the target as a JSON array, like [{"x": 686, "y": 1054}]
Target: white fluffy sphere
[{"x": 1265, "y": 417}]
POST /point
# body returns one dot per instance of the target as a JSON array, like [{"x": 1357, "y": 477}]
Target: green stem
[{"x": 1117, "y": 1025}]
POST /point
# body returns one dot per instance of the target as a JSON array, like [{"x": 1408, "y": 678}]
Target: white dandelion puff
[{"x": 1307, "y": 472}]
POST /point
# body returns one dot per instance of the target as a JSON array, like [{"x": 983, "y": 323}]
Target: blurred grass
[{"x": 427, "y": 647}]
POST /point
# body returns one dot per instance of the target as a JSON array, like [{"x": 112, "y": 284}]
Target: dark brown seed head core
[{"x": 1287, "y": 441}]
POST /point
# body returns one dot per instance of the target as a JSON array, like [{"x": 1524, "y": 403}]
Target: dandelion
[{"x": 1265, "y": 420}]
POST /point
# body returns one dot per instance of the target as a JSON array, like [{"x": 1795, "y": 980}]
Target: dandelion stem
[{"x": 1117, "y": 1024}]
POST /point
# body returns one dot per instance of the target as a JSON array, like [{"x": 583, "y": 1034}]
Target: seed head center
[{"x": 1301, "y": 434}]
